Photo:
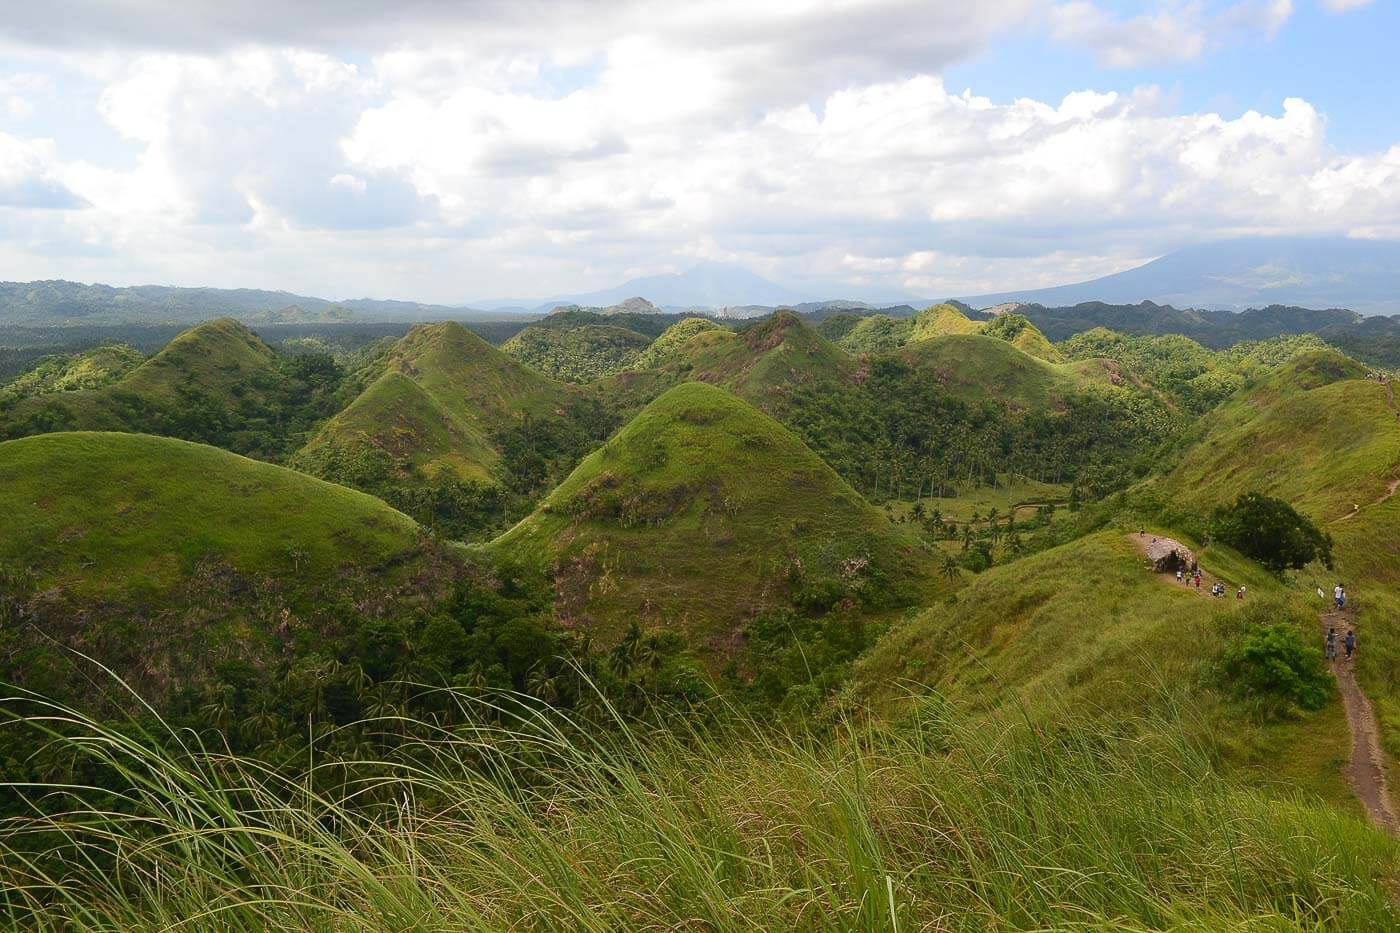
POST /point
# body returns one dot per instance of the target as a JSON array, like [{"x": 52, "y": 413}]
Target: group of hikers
[
  {"x": 1349, "y": 643},
  {"x": 1339, "y": 602},
  {"x": 1190, "y": 575},
  {"x": 1193, "y": 577}
]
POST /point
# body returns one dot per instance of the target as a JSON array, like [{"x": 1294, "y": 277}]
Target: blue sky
[
  {"x": 446, "y": 152},
  {"x": 1347, "y": 64}
]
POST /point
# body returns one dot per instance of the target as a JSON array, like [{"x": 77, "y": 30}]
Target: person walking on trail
[
  {"x": 1337, "y": 596},
  {"x": 1351, "y": 643},
  {"x": 1198, "y": 580},
  {"x": 1331, "y": 644},
  {"x": 1239, "y": 593}
]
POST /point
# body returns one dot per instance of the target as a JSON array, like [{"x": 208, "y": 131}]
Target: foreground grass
[{"x": 530, "y": 824}]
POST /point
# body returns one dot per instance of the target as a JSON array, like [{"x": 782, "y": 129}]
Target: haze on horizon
[{"x": 430, "y": 151}]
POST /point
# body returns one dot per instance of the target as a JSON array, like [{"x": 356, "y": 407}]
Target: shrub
[{"x": 1274, "y": 661}]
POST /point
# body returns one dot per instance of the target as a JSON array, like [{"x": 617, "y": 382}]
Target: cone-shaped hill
[
  {"x": 758, "y": 362},
  {"x": 1017, "y": 330},
  {"x": 940, "y": 321},
  {"x": 978, "y": 368},
  {"x": 218, "y": 365},
  {"x": 432, "y": 412},
  {"x": 702, "y": 511}
]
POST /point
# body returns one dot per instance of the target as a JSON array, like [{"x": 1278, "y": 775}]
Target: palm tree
[
  {"x": 949, "y": 566},
  {"x": 624, "y": 656},
  {"x": 260, "y": 724}
]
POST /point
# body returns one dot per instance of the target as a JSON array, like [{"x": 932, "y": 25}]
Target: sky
[{"x": 447, "y": 151}]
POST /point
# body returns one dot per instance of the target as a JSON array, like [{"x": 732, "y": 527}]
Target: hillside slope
[
  {"x": 163, "y": 559},
  {"x": 1084, "y": 631},
  {"x": 100, "y": 513},
  {"x": 1322, "y": 436},
  {"x": 701, "y": 512},
  {"x": 432, "y": 414}
]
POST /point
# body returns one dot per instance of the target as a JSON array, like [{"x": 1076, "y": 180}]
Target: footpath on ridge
[{"x": 1365, "y": 770}]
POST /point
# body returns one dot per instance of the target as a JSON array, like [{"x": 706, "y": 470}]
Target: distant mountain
[
  {"x": 1362, "y": 275},
  {"x": 59, "y": 302},
  {"x": 708, "y": 285}
]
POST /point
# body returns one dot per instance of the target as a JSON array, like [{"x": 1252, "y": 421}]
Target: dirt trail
[{"x": 1365, "y": 768}]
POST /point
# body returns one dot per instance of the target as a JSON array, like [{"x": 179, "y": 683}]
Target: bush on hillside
[
  {"x": 1272, "y": 532},
  {"x": 1006, "y": 326},
  {"x": 1273, "y": 662}
]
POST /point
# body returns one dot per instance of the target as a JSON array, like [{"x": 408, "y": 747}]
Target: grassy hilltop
[
  {"x": 216, "y": 383},
  {"x": 443, "y": 391},
  {"x": 701, "y": 512},
  {"x": 105, "y": 513},
  {"x": 215, "y": 362}
]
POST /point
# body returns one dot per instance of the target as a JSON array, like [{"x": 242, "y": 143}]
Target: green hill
[
  {"x": 1314, "y": 431},
  {"x": 163, "y": 559},
  {"x": 881, "y": 333},
  {"x": 940, "y": 321},
  {"x": 1018, "y": 331},
  {"x": 211, "y": 365},
  {"x": 672, "y": 342},
  {"x": 89, "y": 369},
  {"x": 433, "y": 413},
  {"x": 579, "y": 354},
  {"x": 700, "y": 513},
  {"x": 106, "y": 513},
  {"x": 216, "y": 383},
  {"x": 978, "y": 368},
  {"x": 761, "y": 362},
  {"x": 1320, "y": 435}
]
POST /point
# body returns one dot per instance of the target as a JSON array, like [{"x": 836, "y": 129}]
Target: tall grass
[{"x": 524, "y": 820}]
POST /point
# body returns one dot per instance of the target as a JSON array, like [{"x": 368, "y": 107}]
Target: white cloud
[
  {"x": 1342, "y": 6},
  {"x": 811, "y": 141},
  {"x": 28, "y": 178}
]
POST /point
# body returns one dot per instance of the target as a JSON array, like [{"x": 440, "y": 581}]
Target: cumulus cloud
[
  {"x": 812, "y": 141},
  {"x": 27, "y": 176}
]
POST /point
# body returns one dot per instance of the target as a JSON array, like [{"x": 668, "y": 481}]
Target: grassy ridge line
[
  {"x": 1082, "y": 632},
  {"x": 936, "y": 821},
  {"x": 1319, "y": 434},
  {"x": 104, "y": 512}
]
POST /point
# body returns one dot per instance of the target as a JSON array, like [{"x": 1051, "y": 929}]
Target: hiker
[
  {"x": 1351, "y": 643},
  {"x": 1337, "y": 597},
  {"x": 1343, "y": 603},
  {"x": 1198, "y": 580},
  {"x": 1178, "y": 575},
  {"x": 1331, "y": 644},
  {"x": 1239, "y": 593}
]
